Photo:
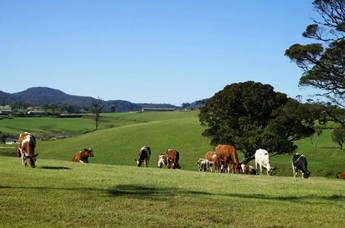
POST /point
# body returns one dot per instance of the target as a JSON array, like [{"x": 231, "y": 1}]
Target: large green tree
[
  {"x": 252, "y": 115},
  {"x": 323, "y": 62}
]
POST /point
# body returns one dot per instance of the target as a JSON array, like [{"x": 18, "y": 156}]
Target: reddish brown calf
[
  {"x": 83, "y": 156},
  {"x": 341, "y": 175},
  {"x": 173, "y": 159}
]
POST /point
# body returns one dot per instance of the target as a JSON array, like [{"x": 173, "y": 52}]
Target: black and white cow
[
  {"x": 144, "y": 156},
  {"x": 203, "y": 164},
  {"x": 299, "y": 162}
]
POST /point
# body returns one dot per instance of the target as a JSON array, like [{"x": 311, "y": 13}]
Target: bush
[{"x": 338, "y": 136}]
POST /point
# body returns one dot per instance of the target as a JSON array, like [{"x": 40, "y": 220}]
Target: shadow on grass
[
  {"x": 149, "y": 191},
  {"x": 287, "y": 198},
  {"x": 161, "y": 193},
  {"x": 156, "y": 193},
  {"x": 54, "y": 167}
]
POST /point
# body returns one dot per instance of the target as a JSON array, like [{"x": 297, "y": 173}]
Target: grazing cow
[
  {"x": 244, "y": 164},
  {"x": 203, "y": 164},
  {"x": 83, "y": 156},
  {"x": 26, "y": 149},
  {"x": 248, "y": 169},
  {"x": 262, "y": 160},
  {"x": 213, "y": 159},
  {"x": 173, "y": 159},
  {"x": 228, "y": 156},
  {"x": 299, "y": 162},
  {"x": 144, "y": 156},
  {"x": 341, "y": 175},
  {"x": 162, "y": 160}
]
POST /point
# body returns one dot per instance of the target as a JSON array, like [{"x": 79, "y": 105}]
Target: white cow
[{"x": 262, "y": 159}]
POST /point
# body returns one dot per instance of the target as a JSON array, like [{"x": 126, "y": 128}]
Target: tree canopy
[
  {"x": 252, "y": 115},
  {"x": 323, "y": 62}
]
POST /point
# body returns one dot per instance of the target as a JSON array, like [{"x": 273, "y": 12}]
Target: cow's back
[
  {"x": 76, "y": 157},
  {"x": 228, "y": 155},
  {"x": 226, "y": 152},
  {"x": 211, "y": 156},
  {"x": 27, "y": 143},
  {"x": 173, "y": 158},
  {"x": 262, "y": 157},
  {"x": 145, "y": 153}
]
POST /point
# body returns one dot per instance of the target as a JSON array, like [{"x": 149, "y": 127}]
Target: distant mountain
[
  {"x": 3, "y": 98},
  {"x": 40, "y": 96}
]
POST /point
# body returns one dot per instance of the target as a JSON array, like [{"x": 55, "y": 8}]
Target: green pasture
[
  {"x": 111, "y": 191},
  {"x": 121, "y": 135},
  {"x": 64, "y": 194}
]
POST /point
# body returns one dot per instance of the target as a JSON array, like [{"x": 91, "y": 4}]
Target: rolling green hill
[
  {"x": 123, "y": 134},
  {"x": 120, "y": 145}
]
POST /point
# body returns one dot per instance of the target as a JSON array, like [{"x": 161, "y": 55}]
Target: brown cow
[
  {"x": 173, "y": 159},
  {"x": 228, "y": 156},
  {"x": 83, "y": 156},
  {"x": 341, "y": 175},
  {"x": 26, "y": 149},
  {"x": 212, "y": 157},
  {"x": 144, "y": 156}
]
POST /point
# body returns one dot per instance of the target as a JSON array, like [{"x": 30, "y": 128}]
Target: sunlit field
[
  {"x": 61, "y": 193},
  {"x": 111, "y": 191}
]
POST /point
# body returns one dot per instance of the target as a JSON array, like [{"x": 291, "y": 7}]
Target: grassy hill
[
  {"x": 123, "y": 134},
  {"x": 111, "y": 191},
  {"x": 65, "y": 194}
]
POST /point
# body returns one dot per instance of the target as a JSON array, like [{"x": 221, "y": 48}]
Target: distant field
[
  {"x": 65, "y": 194},
  {"x": 123, "y": 134}
]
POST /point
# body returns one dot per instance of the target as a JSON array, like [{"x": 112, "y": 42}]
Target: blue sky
[{"x": 154, "y": 51}]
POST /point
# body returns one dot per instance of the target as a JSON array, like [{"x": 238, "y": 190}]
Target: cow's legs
[
  {"x": 260, "y": 168},
  {"x": 23, "y": 158},
  {"x": 294, "y": 171}
]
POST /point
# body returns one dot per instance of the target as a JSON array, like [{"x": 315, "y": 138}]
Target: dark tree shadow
[{"x": 161, "y": 193}]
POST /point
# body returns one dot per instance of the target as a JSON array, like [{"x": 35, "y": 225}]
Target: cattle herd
[{"x": 223, "y": 160}]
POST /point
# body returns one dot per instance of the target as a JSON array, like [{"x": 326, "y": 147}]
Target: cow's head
[
  {"x": 138, "y": 162},
  {"x": 306, "y": 174},
  {"x": 18, "y": 153},
  {"x": 90, "y": 152},
  {"x": 177, "y": 166},
  {"x": 270, "y": 171},
  {"x": 31, "y": 159}
]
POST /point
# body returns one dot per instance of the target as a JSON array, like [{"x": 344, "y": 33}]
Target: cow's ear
[{"x": 35, "y": 155}]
